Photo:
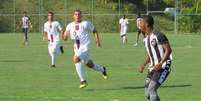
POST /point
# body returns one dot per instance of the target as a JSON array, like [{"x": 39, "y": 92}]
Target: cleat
[
  {"x": 104, "y": 73},
  {"x": 135, "y": 44},
  {"x": 62, "y": 49},
  {"x": 83, "y": 84},
  {"x": 53, "y": 66}
]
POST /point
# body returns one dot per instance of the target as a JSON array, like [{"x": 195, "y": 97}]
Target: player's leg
[
  {"x": 137, "y": 38},
  {"x": 124, "y": 35},
  {"x": 97, "y": 67},
  {"x": 152, "y": 89},
  {"x": 80, "y": 71},
  {"x": 26, "y": 35},
  {"x": 51, "y": 53},
  {"x": 147, "y": 82},
  {"x": 59, "y": 48}
]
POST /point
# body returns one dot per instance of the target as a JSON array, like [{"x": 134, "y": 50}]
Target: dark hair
[
  {"x": 124, "y": 16},
  {"x": 148, "y": 19},
  {"x": 78, "y": 10},
  {"x": 25, "y": 12},
  {"x": 51, "y": 13}
]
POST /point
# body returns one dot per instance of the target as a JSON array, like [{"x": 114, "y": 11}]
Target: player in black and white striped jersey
[
  {"x": 25, "y": 23},
  {"x": 158, "y": 57}
]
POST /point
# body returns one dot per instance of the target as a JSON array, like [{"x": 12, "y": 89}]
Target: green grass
[{"x": 25, "y": 74}]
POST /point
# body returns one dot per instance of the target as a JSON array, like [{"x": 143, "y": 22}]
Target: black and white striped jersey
[{"x": 153, "y": 44}]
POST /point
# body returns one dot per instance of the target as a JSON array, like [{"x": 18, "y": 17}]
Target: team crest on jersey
[{"x": 153, "y": 42}]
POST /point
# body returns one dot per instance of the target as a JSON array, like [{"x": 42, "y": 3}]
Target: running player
[
  {"x": 123, "y": 27},
  {"x": 79, "y": 31},
  {"x": 138, "y": 18},
  {"x": 51, "y": 33},
  {"x": 25, "y": 23},
  {"x": 158, "y": 57}
]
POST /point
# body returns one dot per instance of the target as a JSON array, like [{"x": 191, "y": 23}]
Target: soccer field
[{"x": 25, "y": 73}]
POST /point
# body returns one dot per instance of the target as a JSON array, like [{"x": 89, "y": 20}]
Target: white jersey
[
  {"x": 138, "y": 22},
  {"x": 124, "y": 25},
  {"x": 79, "y": 33},
  {"x": 123, "y": 22},
  {"x": 52, "y": 30},
  {"x": 25, "y": 22}
]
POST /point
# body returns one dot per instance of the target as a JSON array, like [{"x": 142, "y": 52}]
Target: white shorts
[
  {"x": 123, "y": 31},
  {"x": 83, "y": 55},
  {"x": 53, "y": 48}
]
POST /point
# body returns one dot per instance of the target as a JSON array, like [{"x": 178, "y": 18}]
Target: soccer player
[
  {"x": 79, "y": 31},
  {"x": 123, "y": 27},
  {"x": 158, "y": 57},
  {"x": 51, "y": 33},
  {"x": 25, "y": 23},
  {"x": 138, "y": 18}
]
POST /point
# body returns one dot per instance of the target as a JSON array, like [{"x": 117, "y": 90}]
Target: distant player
[
  {"x": 123, "y": 27},
  {"x": 79, "y": 31},
  {"x": 51, "y": 33},
  {"x": 138, "y": 18},
  {"x": 25, "y": 23},
  {"x": 158, "y": 57}
]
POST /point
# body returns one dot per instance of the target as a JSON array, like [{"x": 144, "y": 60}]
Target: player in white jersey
[
  {"x": 138, "y": 18},
  {"x": 123, "y": 26},
  {"x": 158, "y": 57},
  {"x": 25, "y": 23},
  {"x": 79, "y": 31},
  {"x": 51, "y": 33}
]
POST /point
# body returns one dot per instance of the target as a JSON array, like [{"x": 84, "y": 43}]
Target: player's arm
[
  {"x": 19, "y": 25},
  {"x": 61, "y": 33},
  {"x": 30, "y": 24},
  {"x": 142, "y": 66},
  {"x": 97, "y": 39},
  {"x": 65, "y": 35},
  {"x": 45, "y": 35},
  {"x": 167, "y": 52}
]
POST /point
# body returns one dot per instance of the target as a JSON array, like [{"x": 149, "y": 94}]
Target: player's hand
[
  {"x": 141, "y": 68},
  {"x": 158, "y": 66}
]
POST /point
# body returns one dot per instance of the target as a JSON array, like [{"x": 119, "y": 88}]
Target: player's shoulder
[
  {"x": 56, "y": 22},
  {"x": 46, "y": 23},
  {"x": 70, "y": 24},
  {"x": 158, "y": 33},
  {"x": 85, "y": 22}
]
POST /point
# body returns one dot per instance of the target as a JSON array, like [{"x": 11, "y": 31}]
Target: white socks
[
  {"x": 53, "y": 59},
  {"x": 80, "y": 71},
  {"x": 124, "y": 39}
]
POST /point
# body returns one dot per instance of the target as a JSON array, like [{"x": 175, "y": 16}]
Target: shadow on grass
[{"x": 139, "y": 87}]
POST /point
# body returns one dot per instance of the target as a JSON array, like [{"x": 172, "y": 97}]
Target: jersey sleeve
[
  {"x": 120, "y": 21},
  {"x": 90, "y": 26},
  {"x": 127, "y": 21},
  {"x": 59, "y": 26},
  {"x": 162, "y": 39},
  {"x": 45, "y": 28}
]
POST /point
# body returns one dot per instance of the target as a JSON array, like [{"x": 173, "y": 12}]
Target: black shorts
[
  {"x": 161, "y": 75},
  {"x": 123, "y": 35},
  {"x": 25, "y": 30}
]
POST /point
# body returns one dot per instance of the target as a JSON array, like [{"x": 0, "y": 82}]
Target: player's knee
[
  {"x": 76, "y": 59},
  {"x": 90, "y": 64}
]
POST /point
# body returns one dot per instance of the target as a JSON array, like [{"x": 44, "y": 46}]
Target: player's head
[
  {"x": 138, "y": 14},
  {"x": 77, "y": 15},
  {"x": 124, "y": 16},
  {"x": 25, "y": 13},
  {"x": 147, "y": 23},
  {"x": 50, "y": 16}
]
